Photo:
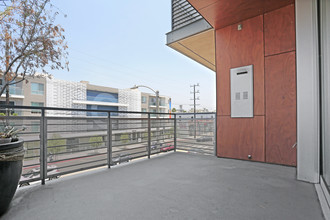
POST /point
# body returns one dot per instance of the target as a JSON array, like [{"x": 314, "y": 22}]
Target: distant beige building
[
  {"x": 66, "y": 94},
  {"x": 26, "y": 94}
]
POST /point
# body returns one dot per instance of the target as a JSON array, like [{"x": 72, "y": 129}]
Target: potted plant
[{"x": 11, "y": 162}]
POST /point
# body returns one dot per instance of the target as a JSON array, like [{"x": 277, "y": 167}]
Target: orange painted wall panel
[
  {"x": 280, "y": 35},
  {"x": 236, "y": 48},
  {"x": 281, "y": 109},
  {"x": 271, "y": 133},
  {"x": 238, "y": 137}
]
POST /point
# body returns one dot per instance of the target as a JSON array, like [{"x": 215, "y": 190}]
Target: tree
[
  {"x": 173, "y": 109},
  {"x": 96, "y": 141},
  {"x": 30, "y": 41}
]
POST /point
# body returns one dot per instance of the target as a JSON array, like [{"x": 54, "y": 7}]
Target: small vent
[
  {"x": 238, "y": 96},
  {"x": 245, "y": 95}
]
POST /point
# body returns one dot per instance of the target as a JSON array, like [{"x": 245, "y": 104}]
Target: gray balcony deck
[{"x": 173, "y": 186}]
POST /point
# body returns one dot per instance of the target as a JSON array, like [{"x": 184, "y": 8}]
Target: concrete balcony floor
[{"x": 173, "y": 186}]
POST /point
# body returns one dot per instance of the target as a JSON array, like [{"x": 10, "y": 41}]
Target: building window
[
  {"x": 162, "y": 102},
  {"x": 37, "y": 88},
  {"x": 144, "y": 99},
  {"x": 144, "y": 110},
  {"x": 152, "y": 101},
  {"x": 102, "y": 96},
  {"x": 37, "y": 104}
]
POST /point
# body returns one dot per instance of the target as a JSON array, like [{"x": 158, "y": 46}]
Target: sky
[{"x": 122, "y": 43}]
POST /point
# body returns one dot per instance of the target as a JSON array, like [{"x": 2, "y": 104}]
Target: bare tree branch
[{"x": 31, "y": 39}]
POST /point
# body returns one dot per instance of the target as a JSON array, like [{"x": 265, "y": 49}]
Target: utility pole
[{"x": 195, "y": 92}]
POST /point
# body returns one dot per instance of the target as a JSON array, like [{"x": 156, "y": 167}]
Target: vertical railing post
[
  {"x": 172, "y": 13},
  {"x": 109, "y": 140},
  {"x": 175, "y": 133},
  {"x": 149, "y": 136},
  {"x": 215, "y": 134},
  {"x": 43, "y": 147}
]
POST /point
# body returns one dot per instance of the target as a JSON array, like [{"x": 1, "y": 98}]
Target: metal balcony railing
[
  {"x": 60, "y": 141},
  {"x": 183, "y": 14}
]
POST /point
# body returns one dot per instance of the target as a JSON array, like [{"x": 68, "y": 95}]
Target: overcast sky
[{"x": 122, "y": 43}]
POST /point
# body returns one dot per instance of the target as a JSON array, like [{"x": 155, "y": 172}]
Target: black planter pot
[{"x": 11, "y": 161}]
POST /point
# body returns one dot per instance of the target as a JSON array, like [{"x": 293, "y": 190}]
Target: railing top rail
[
  {"x": 95, "y": 110},
  {"x": 197, "y": 113}
]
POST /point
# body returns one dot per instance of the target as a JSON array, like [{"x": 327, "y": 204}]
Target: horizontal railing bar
[
  {"x": 207, "y": 145},
  {"x": 79, "y": 169},
  {"x": 73, "y": 124},
  {"x": 84, "y": 143},
  {"x": 28, "y": 141},
  {"x": 72, "y": 131},
  {"x": 141, "y": 122},
  {"x": 32, "y": 157},
  {"x": 64, "y": 138},
  {"x": 70, "y": 152},
  {"x": 25, "y": 125},
  {"x": 124, "y": 150},
  {"x": 140, "y": 152},
  {"x": 197, "y": 113},
  {"x": 31, "y": 173},
  {"x": 179, "y": 6},
  {"x": 36, "y": 148},
  {"x": 31, "y": 165},
  {"x": 180, "y": 129},
  {"x": 124, "y": 129},
  {"x": 198, "y": 132},
  {"x": 79, "y": 164},
  {"x": 193, "y": 139},
  {"x": 186, "y": 16},
  {"x": 185, "y": 138},
  {"x": 68, "y": 118},
  {"x": 76, "y": 158},
  {"x": 181, "y": 11},
  {"x": 128, "y": 144},
  {"x": 187, "y": 19},
  {"x": 153, "y": 139},
  {"x": 35, "y": 118},
  {"x": 128, "y": 139},
  {"x": 34, "y": 132},
  {"x": 185, "y": 146},
  {"x": 198, "y": 135}
]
